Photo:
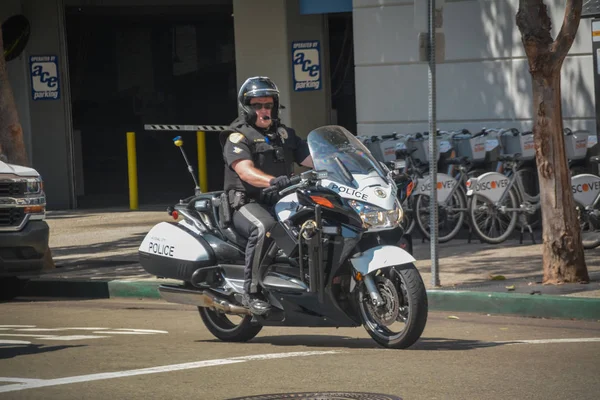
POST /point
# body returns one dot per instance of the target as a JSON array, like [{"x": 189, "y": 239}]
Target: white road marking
[
  {"x": 13, "y": 342},
  {"x": 55, "y": 337},
  {"x": 99, "y": 332},
  {"x": 548, "y": 341},
  {"x": 17, "y": 326},
  {"x": 24, "y": 335},
  {"x": 154, "y": 370},
  {"x": 20, "y": 380},
  {"x": 139, "y": 330},
  {"x": 122, "y": 333},
  {"x": 57, "y": 329},
  {"x": 74, "y": 337}
]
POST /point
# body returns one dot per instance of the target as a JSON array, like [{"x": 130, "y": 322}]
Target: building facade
[{"x": 122, "y": 64}]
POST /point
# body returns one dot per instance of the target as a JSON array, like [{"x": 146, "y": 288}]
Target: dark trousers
[{"x": 253, "y": 221}]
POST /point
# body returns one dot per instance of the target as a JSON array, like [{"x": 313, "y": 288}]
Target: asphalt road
[{"x": 131, "y": 349}]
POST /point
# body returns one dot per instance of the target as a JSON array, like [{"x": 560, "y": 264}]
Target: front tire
[
  {"x": 405, "y": 298},
  {"x": 224, "y": 329}
]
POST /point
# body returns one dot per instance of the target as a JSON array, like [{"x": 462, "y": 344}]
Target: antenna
[{"x": 178, "y": 141}]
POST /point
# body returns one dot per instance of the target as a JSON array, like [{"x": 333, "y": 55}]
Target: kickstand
[
  {"x": 470, "y": 233},
  {"x": 523, "y": 225}
]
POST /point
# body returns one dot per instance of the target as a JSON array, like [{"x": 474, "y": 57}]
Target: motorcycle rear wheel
[
  {"x": 224, "y": 329},
  {"x": 402, "y": 284}
]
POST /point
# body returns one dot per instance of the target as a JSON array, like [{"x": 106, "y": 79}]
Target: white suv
[{"x": 24, "y": 232}]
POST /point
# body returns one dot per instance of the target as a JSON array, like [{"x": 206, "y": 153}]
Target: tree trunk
[
  {"x": 11, "y": 132},
  {"x": 563, "y": 257},
  {"x": 12, "y": 146}
]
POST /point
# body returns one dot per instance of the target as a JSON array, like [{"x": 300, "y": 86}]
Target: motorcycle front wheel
[
  {"x": 240, "y": 329},
  {"x": 400, "y": 321}
]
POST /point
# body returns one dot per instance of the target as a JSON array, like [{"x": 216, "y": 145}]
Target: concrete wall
[
  {"x": 484, "y": 81},
  {"x": 18, "y": 76},
  {"x": 309, "y": 109},
  {"x": 264, "y": 31},
  {"x": 50, "y": 119}
]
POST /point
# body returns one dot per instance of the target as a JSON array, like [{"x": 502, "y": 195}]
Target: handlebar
[{"x": 293, "y": 181}]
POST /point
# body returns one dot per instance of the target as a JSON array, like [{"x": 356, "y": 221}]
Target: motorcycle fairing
[{"x": 380, "y": 257}]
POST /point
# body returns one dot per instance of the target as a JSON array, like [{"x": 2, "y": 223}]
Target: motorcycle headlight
[{"x": 378, "y": 218}]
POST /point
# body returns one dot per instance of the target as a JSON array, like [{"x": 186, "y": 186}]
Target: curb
[
  {"x": 525, "y": 305},
  {"x": 87, "y": 289}
]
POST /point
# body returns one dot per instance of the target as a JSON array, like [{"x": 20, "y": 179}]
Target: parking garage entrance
[{"x": 147, "y": 65}]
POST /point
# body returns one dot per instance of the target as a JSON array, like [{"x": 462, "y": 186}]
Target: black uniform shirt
[{"x": 272, "y": 156}]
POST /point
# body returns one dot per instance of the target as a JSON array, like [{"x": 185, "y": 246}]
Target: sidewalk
[{"x": 95, "y": 252}]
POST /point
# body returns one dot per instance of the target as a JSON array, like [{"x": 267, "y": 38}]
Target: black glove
[{"x": 281, "y": 182}]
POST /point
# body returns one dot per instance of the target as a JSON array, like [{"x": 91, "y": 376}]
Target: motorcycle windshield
[{"x": 335, "y": 150}]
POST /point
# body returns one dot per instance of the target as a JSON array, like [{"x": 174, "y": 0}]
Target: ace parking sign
[
  {"x": 44, "y": 77},
  {"x": 306, "y": 61}
]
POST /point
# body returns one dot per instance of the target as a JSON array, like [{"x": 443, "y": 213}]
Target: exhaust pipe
[{"x": 174, "y": 294}]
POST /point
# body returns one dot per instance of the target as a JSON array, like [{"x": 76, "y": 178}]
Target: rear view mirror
[
  {"x": 322, "y": 174},
  {"x": 313, "y": 175}
]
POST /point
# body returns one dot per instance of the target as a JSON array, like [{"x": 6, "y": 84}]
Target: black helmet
[{"x": 257, "y": 86}]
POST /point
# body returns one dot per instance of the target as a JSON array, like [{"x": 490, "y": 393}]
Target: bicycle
[
  {"x": 504, "y": 199},
  {"x": 586, "y": 194},
  {"x": 451, "y": 197}
]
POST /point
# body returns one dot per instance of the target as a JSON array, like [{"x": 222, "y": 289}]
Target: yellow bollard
[
  {"x": 202, "y": 171},
  {"x": 132, "y": 169}
]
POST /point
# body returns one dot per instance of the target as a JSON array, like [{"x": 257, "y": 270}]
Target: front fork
[{"x": 372, "y": 290}]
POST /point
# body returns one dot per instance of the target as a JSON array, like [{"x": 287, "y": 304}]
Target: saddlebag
[{"x": 169, "y": 251}]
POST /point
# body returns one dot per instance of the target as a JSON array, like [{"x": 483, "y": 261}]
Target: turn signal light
[
  {"x": 34, "y": 209},
  {"x": 322, "y": 201},
  {"x": 175, "y": 215},
  {"x": 409, "y": 188}
]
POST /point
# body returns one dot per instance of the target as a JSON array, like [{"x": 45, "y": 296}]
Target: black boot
[
  {"x": 253, "y": 301},
  {"x": 256, "y": 305}
]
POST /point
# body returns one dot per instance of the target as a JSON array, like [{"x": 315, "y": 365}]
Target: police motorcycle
[{"x": 332, "y": 262}]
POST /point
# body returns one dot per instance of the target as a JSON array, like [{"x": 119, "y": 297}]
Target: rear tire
[
  {"x": 223, "y": 329},
  {"x": 412, "y": 297}
]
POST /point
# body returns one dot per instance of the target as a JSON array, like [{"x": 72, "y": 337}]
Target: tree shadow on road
[
  {"x": 130, "y": 242},
  {"x": 11, "y": 350}
]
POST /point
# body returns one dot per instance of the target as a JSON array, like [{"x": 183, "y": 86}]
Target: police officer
[{"x": 259, "y": 153}]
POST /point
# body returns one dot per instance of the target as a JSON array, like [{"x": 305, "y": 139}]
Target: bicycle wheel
[
  {"x": 408, "y": 221},
  {"x": 531, "y": 187},
  {"x": 489, "y": 223},
  {"x": 450, "y": 218},
  {"x": 590, "y": 231}
]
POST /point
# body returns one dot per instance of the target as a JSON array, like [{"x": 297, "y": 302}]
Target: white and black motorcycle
[{"x": 333, "y": 261}]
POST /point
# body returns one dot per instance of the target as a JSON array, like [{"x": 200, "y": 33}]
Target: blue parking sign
[{"x": 306, "y": 62}]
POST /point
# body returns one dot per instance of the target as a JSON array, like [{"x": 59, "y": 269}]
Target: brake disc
[{"x": 389, "y": 311}]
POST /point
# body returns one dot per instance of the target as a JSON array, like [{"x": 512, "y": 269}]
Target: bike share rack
[
  {"x": 482, "y": 148},
  {"x": 201, "y": 149}
]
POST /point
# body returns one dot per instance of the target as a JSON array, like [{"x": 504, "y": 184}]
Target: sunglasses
[{"x": 259, "y": 106}]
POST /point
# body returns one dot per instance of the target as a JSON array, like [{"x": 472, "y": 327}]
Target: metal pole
[
  {"x": 202, "y": 167},
  {"x": 132, "y": 171},
  {"x": 433, "y": 217}
]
